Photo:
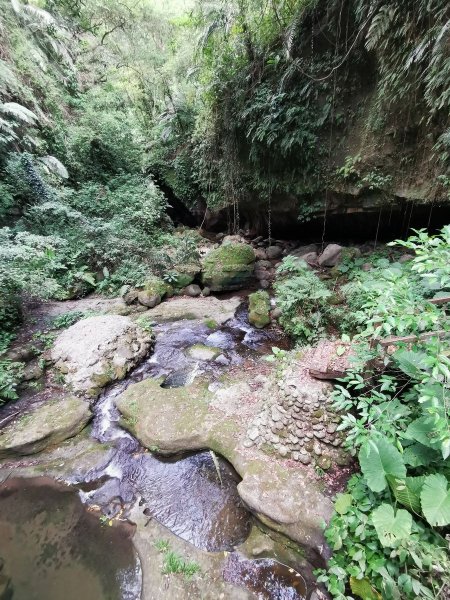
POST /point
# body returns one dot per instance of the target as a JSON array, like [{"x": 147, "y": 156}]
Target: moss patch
[
  {"x": 259, "y": 309},
  {"x": 155, "y": 286},
  {"x": 202, "y": 352},
  {"x": 229, "y": 267},
  {"x": 211, "y": 323},
  {"x": 185, "y": 275},
  {"x": 228, "y": 256}
]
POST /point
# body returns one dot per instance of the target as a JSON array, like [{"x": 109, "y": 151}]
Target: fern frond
[
  {"x": 55, "y": 166},
  {"x": 8, "y": 80},
  {"x": 33, "y": 14},
  {"x": 379, "y": 26},
  {"x": 19, "y": 112}
]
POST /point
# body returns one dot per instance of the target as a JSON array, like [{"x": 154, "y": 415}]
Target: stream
[{"x": 194, "y": 496}]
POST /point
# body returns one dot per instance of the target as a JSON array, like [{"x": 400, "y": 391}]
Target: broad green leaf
[
  {"x": 343, "y": 503},
  {"x": 418, "y": 455},
  {"x": 435, "y": 499},
  {"x": 411, "y": 363},
  {"x": 391, "y": 527},
  {"x": 407, "y": 492},
  {"x": 88, "y": 278},
  {"x": 423, "y": 430},
  {"x": 379, "y": 459},
  {"x": 363, "y": 589}
]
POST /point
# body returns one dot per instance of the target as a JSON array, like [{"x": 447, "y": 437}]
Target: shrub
[
  {"x": 304, "y": 300},
  {"x": 388, "y": 529},
  {"x": 10, "y": 377},
  {"x": 410, "y": 561}
]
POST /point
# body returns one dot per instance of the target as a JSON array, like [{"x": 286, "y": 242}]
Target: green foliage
[
  {"x": 399, "y": 420},
  {"x": 162, "y": 545},
  {"x": 379, "y": 462},
  {"x": 304, "y": 301},
  {"x": 106, "y": 139},
  {"x": 106, "y": 230},
  {"x": 392, "y": 528},
  {"x": 27, "y": 263},
  {"x": 211, "y": 323},
  {"x": 145, "y": 323},
  {"x": 10, "y": 377},
  {"x": 432, "y": 258},
  {"x": 174, "y": 563},
  {"x": 410, "y": 561},
  {"x": 67, "y": 319},
  {"x": 435, "y": 500}
]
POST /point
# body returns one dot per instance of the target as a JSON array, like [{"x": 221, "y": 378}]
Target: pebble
[
  {"x": 275, "y": 415},
  {"x": 324, "y": 462},
  {"x": 283, "y": 450},
  {"x": 253, "y": 434}
]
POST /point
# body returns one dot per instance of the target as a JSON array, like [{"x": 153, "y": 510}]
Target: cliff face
[{"x": 344, "y": 114}]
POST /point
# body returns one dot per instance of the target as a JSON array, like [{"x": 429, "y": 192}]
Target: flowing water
[
  {"x": 187, "y": 495},
  {"x": 194, "y": 496}
]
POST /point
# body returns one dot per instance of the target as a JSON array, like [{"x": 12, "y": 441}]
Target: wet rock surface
[
  {"x": 44, "y": 425},
  {"x": 198, "y": 497},
  {"x": 194, "y": 418},
  {"x": 265, "y": 577}
]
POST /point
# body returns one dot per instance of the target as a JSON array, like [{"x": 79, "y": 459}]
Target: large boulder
[
  {"x": 259, "y": 309},
  {"x": 205, "y": 309},
  {"x": 229, "y": 267},
  {"x": 148, "y": 300},
  {"x": 331, "y": 256},
  {"x": 99, "y": 350},
  {"x": 285, "y": 497},
  {"x": 47, "y": 425},
  {"x": 192, "y": 290},
  {"x": 274, "y": 252}
]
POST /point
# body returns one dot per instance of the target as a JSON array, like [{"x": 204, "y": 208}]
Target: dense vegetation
[
  {"x": 389, "y": 529},
  {"x": 109, "y": 111}
]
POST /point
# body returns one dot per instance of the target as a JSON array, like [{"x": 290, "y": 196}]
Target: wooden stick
[
  {"x": 438, "y": 301},
  {"x": 412, "y": 338}
]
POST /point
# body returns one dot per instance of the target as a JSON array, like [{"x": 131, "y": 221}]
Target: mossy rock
[
  {"x": 155, "y": 286},
  {"x": 185, "y": 275},
  {"x": 228, "y": 268},
  {"x": 259, "y": 309},
  {"x": 47, "y": 425},
  {"x": 202, "y": 352}
]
